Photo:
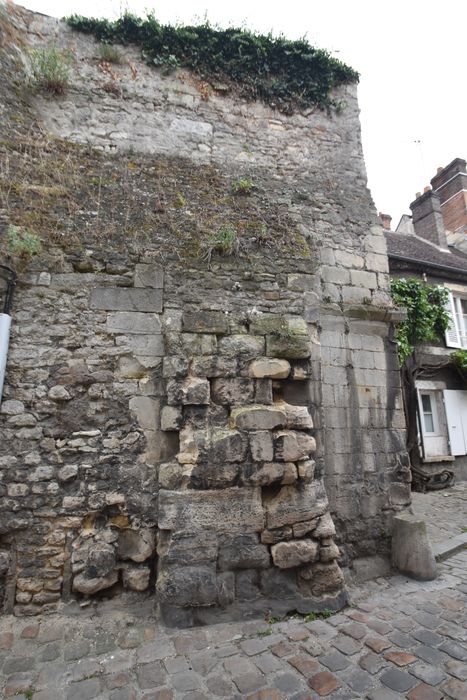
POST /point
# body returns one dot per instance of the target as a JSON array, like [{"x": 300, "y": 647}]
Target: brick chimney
[
  {"x": 386, "y": 221},
  {"x": 427, "y": 218},
  {"x": 450, "y": 183}
]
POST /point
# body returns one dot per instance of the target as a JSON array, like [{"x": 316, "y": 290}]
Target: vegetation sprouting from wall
[{"x": 288, "y": 75}]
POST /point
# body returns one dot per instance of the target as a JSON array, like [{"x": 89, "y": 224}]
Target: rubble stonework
[{"x": 224, "y": 432}]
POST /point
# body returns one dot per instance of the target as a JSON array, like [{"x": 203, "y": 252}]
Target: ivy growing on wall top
[{"x": 287, "y": 75}]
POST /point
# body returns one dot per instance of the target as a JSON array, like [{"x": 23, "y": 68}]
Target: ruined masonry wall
[{"x": 198, "y": 430}]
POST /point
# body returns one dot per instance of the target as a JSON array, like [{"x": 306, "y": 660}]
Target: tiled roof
[{"x": 415, "y": 250}]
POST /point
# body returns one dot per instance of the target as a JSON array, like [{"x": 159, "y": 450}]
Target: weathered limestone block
[
  {"x": 233, "y": 392},
  {"x": 302, "y": 529},
  {"x": 58, "y": 393},
  {"x": 279, "y": 583},
  {"x": 146, "y": 411},
  {"x": 411, "y": 550},
  {"x": 190, "y": 443},
  {"x": 246, "y": 347},
  {"x": 320, "y": 579},
  {"x": 191, "y": 344},
  {"x": 295, "y": 504},
  {"x": 191, "y": 391},
  {"x": 151, "y": 345},
  {"x": 263, "y": 392},
  {"x": 170, "y": 476},
  {"x": 124, "y": 322},
  {"x": 186, "y": 548},
  {"x": 188, "y": 585},
  {"x": 88, "y": 585},
  {"x": 272, "y": 472},
  {"x": 261, "y": 446},
  {"x": 226, "y": 510},
  {"x": 306, "y": 470},
  {"x": 325, "y": 527},
  {"x": 279, "y": 535},
  {"x": 226, "y": 446},
  {"x": 214, "y": 366},
  {"x": 126, "y": 299},
  {"x": 243, "y": 552},
  {"x": 4, "y": 562},
  {"x": 149, "y": 276},
  {"x": 295, "y": 347},
  {"x": 171, "y": 418},
  {"x": 271, "y": 368},
  {"x": 205, "y": 322},
  {"x": 213, "y": 476},
  {"x": 287, "y": 555},
  {"x": 137, "y": 545},
  {"x": 298, "y": 417},
  {"x": 257, "y": 418},
  {"x": 226, "y": 588},
  {"x": 12, "y": 407},
  {"x": 293, "y": 446},
  {"x": 136, "y": 578},
  {"x": 329, "y": 552}
]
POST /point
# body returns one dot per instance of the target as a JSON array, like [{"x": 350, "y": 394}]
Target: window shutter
[
  {"x": 455, "y": 403},
  {"x": 453, "y": 338}
]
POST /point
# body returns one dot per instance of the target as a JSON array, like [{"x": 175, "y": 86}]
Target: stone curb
[{"x": 449, "y": 547}]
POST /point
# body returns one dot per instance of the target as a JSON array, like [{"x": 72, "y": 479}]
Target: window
[
  {"x": 456, "y": 334},
  {"x": 428, "y": 417}
]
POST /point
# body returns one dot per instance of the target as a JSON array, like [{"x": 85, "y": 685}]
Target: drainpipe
[{"x": 5, "y": 320}]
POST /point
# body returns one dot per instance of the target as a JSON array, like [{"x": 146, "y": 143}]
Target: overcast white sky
[{"x": 410, "y": 54}]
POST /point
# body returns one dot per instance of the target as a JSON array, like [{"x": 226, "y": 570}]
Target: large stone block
[
  {"x": 188, "y": 585},
  {"x": 298, "y": 417},
  {"x": 137, "y": 545},
  {"x": 270, "y": 473},
  {"x": 291, "y": 446},
  {"x": 287, "y": 555},
  {"x": 233, "y": 392},
  {"x": 126, "y": 299},
  {"x": 271, "y": 368},
  {"x": 227, "y": 510},
  {"x": 125, "y": 322},
  {"x": 151, "y": 276},
  {"x": 143, "y": 344},
  {"x": 245, "y": 346},
  {"x": 214, "y": 476},
  {"x": 243, "y": 552},
  {"x": 289, "y": 347},
  {"x": 258, "y": 418},
  {"x": 205, "y": 322},
  {"x": 411, "y": 550},
  {"x": 192, "y": 390},
  {"x": 320, "y": 579},
  {"x": 187, "y": 548},
  {"x": 295, "y": 503},
  {"x": 261, "y": 446},
  {"x": 225, "y": 446}
]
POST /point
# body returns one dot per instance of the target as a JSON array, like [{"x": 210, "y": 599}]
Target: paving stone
[
  {"x": 372, "y": 662},
  {"x": 379, "y": 626},
  {"x": 16, "y": 664},
  {"x": 400, "y": 639},
  {"x": 287, "y": 682},
  {"x": 265, "y": 694},
  {"x": 453, "y": 631},
  {"x": 123, "y": 694},
  {"x": 194, "y": 641},
  {"x": 430, "y": 655},
  {"x": 18, "y": 683},
  {"x": 455, "y": 650},
  {"x": 424, "y": 692},
  {"x": 268, "y": 663},
  {"x": 450, "y": 603},
  {"x": 335, "y": 661},
  {"x": 155, "y": 651},
  {"x": 178, "y": 663},
  {"x": 159, "y": 694},
  {"x": 239, "y": 664},
  {"x": 427, "y": 673},
  {"x": 254, "y": 646},
  {"x": 400, "y": 658},
  {"x": 50, "y": 652},
  {"x": 457, "y": 669},
  {"x": 117, "y": 680},
  {"x": 84, "y": 669},
  {"x": 354, "y": 630},
  {"x": 455, "y": 689},
  {"x": 117, "y": 661},
  {"x": 228, "y": 650},
  {"x": 314, "y": 647},
  {"x": 377, "y": 644},
  {"x": 184, "y": 681},
  {"x": 383, "y": 694},
  {"x": 403, "y": 624},
  {"x": 400, "y": 681},
  {"x": 6, "y": 640},
  {"x": 357, "y": 679},
  {"x": 50, "y": 694},
  {"x": 78, "y": 650},
  {"x": 30, "y": 632},
  {"x": 151, "y": 675},
  {"x": 323, "y": 683},
  {"x": 304, "y": 663},
  {"x": 51, "y": 675},
  {"x": 220, "y": 686},
  {"x": 202, "y": 663},
  {"x": 282, "y": 649},
  {"x": 249, "y": 682},
  {"x": 431, "y": 639},
  {"x": 346, "y": 645},
  {"x": 298, "y": 634},
  {"x": 84, "y": 690},
  {"x": 358, "y": 616},
  {"x": 427, "y": 620},
  {"x": 322, "y": 629}
]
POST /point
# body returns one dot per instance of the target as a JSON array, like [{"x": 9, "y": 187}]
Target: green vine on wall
[
  {"x": 427, "y": 317},
  {"x": 287, "y": 75}
]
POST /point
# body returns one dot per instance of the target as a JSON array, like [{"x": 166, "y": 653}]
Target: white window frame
[
  {"x": 434, "y": 412},
  {"x": 456, "y": 333}
]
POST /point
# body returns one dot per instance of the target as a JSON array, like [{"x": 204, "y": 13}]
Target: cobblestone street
[{"x": 398, "y": 639}]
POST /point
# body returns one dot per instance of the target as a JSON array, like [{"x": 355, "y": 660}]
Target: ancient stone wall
[{"x": 179, "y": 418}]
